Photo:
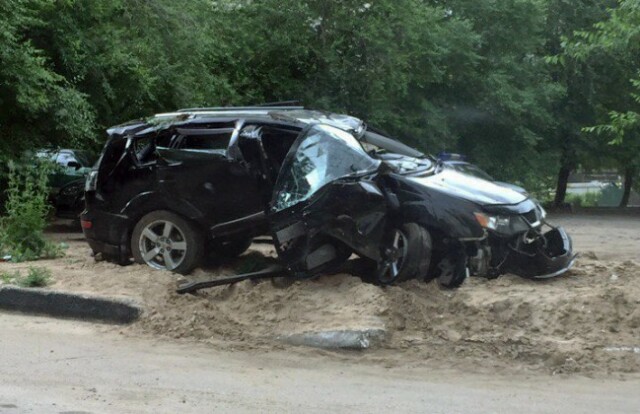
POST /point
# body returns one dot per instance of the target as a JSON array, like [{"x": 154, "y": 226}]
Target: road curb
[
  {"x": 68, "y": 305},
  {"x": 337, "y": 339}
]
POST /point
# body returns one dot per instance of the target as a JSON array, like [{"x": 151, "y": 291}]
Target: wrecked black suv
[{"x": 177, "y": 186}]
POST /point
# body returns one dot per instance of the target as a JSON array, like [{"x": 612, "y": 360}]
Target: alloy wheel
[
  {"x": 395, "y": 254},
  {"x": 163, "y": 245}
]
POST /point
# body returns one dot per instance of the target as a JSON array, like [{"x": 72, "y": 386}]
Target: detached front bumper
[{"x": 549, "y": 256}]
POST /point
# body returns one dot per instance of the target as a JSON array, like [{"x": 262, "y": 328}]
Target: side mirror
[{"x": 74, "y": 164}]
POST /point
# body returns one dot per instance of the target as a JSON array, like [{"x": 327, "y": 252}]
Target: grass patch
[
  {"x": 35, "y": 277},
  {"x": 9, "y": 278}
]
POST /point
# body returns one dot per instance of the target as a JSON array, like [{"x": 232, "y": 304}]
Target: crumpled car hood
[{"x": 470, "y": 188}]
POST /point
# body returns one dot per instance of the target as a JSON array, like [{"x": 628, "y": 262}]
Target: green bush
[
  {"x": 22, "y": 228},
  {"x": 584, "y": 200}
]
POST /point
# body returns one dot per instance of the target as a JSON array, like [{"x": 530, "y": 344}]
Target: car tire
[
  {"x": 410, "y": 246},
  {"x": 229, "y": 248},
  {"x": 177, "y": 242}
]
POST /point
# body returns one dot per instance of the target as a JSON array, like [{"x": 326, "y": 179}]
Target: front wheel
[
  {"x": 452, "y": 270},
  {"x": 406, "y": 253},
  {"x": 165, "y": 241}
]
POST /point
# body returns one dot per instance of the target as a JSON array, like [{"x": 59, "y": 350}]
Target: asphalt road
[
  {"x": 608, "y": 236},
  {"x": 58, "y": 366}
]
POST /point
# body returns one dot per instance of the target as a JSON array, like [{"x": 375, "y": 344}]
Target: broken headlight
[
  {"x": 501, "y": 224},
  {"x": 496, "y": 223}
]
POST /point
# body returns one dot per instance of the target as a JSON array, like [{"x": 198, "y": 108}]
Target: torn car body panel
[
  {"x": 543, "y": 257},
  {"x": 321, "y": 197}
]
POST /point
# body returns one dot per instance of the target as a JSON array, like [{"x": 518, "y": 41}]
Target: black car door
[
  {"x": 197, "y": 170},
  {"x": 326, "y": 202}
]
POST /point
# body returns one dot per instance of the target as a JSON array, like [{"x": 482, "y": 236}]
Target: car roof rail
[
  {"x": 292, "y": 102},
  {"x": 270, "y": 106}
]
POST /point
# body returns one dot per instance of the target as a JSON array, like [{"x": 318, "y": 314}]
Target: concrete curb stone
[
  {"x": 68, "y": 305},
  {"x": 337, "y": 339}
]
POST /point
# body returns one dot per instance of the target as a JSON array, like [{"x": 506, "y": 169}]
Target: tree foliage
[
  {"x": 512, "y": 83},
  {"x": 611, "y": 48},
  {"x": 38, "y": 105},
  {"x": 618, "y": 41}
]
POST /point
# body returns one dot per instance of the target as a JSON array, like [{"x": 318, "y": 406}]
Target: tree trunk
[
  {"x": 628, "y": 181},
  {"x": 567, "y": 164},
  {"x": 561, "y": 187}
]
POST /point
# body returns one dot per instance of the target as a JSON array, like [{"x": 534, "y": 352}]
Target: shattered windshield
[{"x": 324, "y": 154}]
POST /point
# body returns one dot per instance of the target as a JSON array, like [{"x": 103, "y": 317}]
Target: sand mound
[
  {"x": 586, "y": 321},
  {"x": 573, "y": 323},
  {"x": 262, "y": 311}
]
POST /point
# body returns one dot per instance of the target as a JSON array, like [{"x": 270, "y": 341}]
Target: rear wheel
[
  {"x": 407, "y": 254},
  {"x": 165, "y": 241}
]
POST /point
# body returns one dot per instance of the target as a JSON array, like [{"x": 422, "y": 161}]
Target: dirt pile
[
  {"x": 585, "y": 321},
  {"x": 256, "y": 313}
]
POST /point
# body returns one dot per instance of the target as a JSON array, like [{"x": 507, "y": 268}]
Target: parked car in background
[
  {"x": 458, "y": 162},
  {"x": 67, "y": 181},
  {"x": 171, "y": 188}
]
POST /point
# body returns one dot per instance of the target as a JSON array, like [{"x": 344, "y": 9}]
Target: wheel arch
[{"x": 150, "y": 201}]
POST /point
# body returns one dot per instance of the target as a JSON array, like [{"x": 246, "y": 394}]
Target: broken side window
[
  {"x": 213, "y": 140},
  {"x": 165, "y": 139},
  {"x": 143, "y": 149},
  {"x": 195, "y": 144},
  {"x": 211, "y": 143}
]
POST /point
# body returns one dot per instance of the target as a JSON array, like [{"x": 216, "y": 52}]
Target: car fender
[
  {"x": 437, "y": 210},
  {"x": 148, "y": 201},
  {"x": 450, "y": 223}
]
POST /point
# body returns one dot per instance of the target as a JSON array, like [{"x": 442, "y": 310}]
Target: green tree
[
  {"x": 37, "y": 104},
  {"x": 575, "y": 107},
  {"x": 612, "y": 49},
  {"x": 134, "y": 58},
  {"x": 503, "y": 110},
  {"x": 395, "y": 63}
]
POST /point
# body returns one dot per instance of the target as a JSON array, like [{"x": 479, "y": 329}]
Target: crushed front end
[{"x": 518, "y": 240}]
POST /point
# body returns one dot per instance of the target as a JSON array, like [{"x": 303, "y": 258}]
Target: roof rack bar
[
  {"x": 292, "y": 102},
  {"x": 240, "y": 108}
]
